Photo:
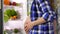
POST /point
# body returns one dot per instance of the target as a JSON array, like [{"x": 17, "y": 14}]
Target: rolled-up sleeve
[
  {"x": 45, "y": 16},
  {"x": 47, "y": 11},
  {"x": 42, "y": 8}
]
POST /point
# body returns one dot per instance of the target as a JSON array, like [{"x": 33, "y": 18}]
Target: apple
[{"x": 14, "y": 3}]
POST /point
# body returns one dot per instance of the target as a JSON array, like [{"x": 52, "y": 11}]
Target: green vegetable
[
  {"x": 13, "y": 12},
  {"x": 6, "y": 18},
  {"x": 16, "y": 30},
  {"x": 4, "y": 32},
  {"x": 8, "y": 14}
]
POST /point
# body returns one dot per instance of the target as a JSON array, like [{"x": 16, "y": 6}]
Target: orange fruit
[
  {"x": 14, "y": 17},
  {"x": 6, "y": 2}
]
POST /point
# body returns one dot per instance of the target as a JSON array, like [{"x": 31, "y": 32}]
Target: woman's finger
[
  {"x": 26, "y": 29},
  {"x": 25, "y": 26}
]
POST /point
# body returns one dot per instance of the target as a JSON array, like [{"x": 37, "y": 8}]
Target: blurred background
[
  {"x": 0, "y": 4},
  {"x": 58, "y": 11}
]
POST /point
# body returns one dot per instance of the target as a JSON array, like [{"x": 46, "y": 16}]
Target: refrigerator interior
[{"x": 19, "y": 24}]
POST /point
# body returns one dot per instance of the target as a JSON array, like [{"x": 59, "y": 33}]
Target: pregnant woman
[{"x": 42, "y": 19}]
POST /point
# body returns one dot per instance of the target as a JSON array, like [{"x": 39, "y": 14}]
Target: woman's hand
[
  {"x": 26, "y": 23},
  {"x": 28, "y": 26},
  {"x": 27, "y": 20}
]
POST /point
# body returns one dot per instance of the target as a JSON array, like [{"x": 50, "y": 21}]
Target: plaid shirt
[{"x": 42, "y": 8}]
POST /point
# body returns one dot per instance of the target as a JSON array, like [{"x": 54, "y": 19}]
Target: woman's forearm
[
  {"x": 26, "y": 22},
  {"x": 39, "y": 21},
  {"x": 27, "y": 19}
]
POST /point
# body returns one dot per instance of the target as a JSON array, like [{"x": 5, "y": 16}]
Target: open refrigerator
[
  {"x": 24, "y": 10},
  {"x": 10, "y": 25}
]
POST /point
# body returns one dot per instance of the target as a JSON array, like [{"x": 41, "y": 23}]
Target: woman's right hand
[{"x": 26, "y": 22}]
